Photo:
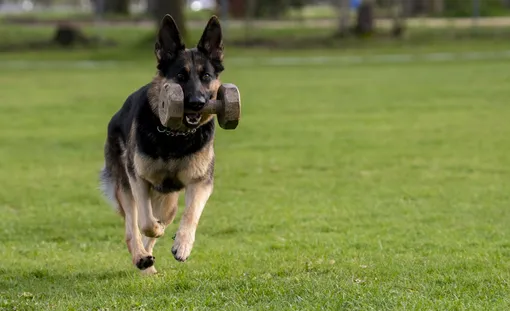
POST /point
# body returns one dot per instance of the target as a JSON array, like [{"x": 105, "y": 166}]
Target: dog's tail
[{"x": 108, "y": 187}]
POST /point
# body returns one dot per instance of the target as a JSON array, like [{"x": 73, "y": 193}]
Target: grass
[{"x": 367, "y": 187}]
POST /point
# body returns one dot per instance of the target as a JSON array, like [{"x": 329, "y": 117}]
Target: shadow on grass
[
  {"x": 40, "y": 279},
  {"x": 45, "y": 289},
  {"x": 45, "y": 281}
]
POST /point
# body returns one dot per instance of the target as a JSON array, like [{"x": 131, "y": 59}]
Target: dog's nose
[{"x": 196, "y": 102}]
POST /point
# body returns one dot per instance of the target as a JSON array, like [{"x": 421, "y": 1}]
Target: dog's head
[{"x": 196, "y": 70}]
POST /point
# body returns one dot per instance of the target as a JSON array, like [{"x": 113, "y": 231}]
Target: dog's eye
[
  {"x": 181, "y": 77},
  {"x": 206, "y": 77}
]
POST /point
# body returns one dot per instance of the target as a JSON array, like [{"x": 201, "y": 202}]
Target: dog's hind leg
[
  {"x": 197, "y": 195},
  {"x": 141, "y": 258},
  {"x": 118, "y": 193},
  {"x": 164, "y": 208}
]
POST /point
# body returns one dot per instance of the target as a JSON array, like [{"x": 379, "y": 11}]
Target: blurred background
[{"x": 266, "y": 24}]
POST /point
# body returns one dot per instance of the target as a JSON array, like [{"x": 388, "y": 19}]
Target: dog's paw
[
  {"x": 144, "y": 262},
  {"x": 182, "y": 247},
  {"x": 153, "y": 230}
]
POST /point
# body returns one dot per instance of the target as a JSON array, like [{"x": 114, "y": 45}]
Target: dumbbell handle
[{"x": 210, "y": 107}]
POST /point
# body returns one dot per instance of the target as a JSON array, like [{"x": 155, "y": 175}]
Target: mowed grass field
[{"x": 379, "y": 186}]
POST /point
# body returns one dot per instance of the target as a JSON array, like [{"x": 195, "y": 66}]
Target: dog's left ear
[{"x": 211, "y": 42}]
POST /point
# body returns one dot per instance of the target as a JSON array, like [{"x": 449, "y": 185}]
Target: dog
[{"x": 147, "y": 165}]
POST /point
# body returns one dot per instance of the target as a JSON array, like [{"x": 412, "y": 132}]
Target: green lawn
[{"x": 364, "y": 187}]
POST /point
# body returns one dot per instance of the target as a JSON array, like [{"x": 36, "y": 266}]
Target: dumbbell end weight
[
  {"x": 230, "y": 112},
  {"x": 171, "y": 105}
]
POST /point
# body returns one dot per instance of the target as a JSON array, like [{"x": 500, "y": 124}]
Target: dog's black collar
[{"x": 169, "y": 132}]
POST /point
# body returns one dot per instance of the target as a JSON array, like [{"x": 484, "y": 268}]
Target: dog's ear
[
  {"x": 211, "y": 42},
  {"x": 169, "y": 42}
]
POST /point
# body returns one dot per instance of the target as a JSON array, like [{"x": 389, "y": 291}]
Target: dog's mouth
[{"x": 192, "y": 119}]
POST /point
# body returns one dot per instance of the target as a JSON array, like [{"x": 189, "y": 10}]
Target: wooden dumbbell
[{"x": 226, "y": 106}]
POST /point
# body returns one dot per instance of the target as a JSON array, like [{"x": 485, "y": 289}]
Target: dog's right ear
[{"x": 169, "y": 42}]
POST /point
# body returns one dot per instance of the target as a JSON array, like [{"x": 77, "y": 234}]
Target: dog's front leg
[
  {"x": 149, "y": 225},
  {"x": 197, "y": 195}
]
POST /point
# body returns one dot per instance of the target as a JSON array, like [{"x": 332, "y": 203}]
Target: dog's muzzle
[{"x": 192, "y": 118}]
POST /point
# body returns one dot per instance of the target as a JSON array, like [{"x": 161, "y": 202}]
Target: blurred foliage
[
  {"x": 463, "y": 8},
  {"x": 282, "y": 8},
  {"x": 450, "y": 8}
]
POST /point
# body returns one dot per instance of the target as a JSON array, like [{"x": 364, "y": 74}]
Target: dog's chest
[{"x": 171, "y": 175}]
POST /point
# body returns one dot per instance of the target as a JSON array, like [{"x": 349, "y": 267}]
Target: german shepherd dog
[{"x": 147, "y": 165}]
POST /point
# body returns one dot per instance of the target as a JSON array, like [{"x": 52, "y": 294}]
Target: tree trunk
[
  {"x": 250, "y": 13},
  {"x": 343, "y": 17},
  {"x": 151, "y": 7},
  {"x": 44, "y": 3},
  {"x": 365, "y": 19},
  {"x": 120, "y": 7},
  {"x": 408, "y": 7},
  {"x": 436, "y": 6},
  {"x": 172, "y": 7},
  {"x": 116, "y": 7},
  {"x": 399, "y": 14},
  {"x": 414, "y": 7},
  {"x": 237, "y": 8}
]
